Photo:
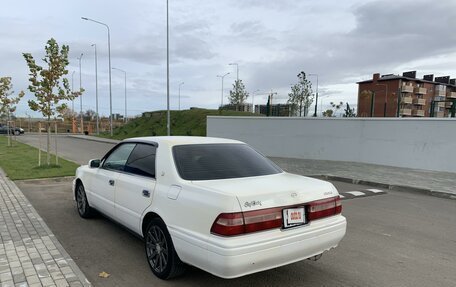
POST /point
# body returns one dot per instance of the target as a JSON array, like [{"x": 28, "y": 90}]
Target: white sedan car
[{"x": 216, "y": 204}]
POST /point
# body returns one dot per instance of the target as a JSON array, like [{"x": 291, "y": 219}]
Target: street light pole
[
  {"x": 109, "y": 56},
  {"x": 237, "y": 69},
  {"x": 96, "y": 88},
  {"x": 316, "y": 97},
  {"x": 80, "y": 89},
  {"x": 168, "y": 116},
  {"x": 180, "y": 95},
  {"x": 125, "y": 86},
  {"x": 222, "y": 77},
  {"x": 72, "y": 91}
]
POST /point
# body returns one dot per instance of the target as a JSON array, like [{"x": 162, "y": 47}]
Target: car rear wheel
[
  {"x": 84, "y": 209},
  {"x": 160, "y": 252}
]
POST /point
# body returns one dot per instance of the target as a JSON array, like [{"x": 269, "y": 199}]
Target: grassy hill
[{"x": 183, "y": 123}]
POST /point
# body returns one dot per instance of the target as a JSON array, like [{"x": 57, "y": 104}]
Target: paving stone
[{"x": 30, "y": 255}]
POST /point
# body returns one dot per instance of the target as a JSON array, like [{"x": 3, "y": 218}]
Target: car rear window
[{"x": 220, "y": 161}]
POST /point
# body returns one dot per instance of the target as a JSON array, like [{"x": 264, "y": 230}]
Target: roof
[
  {"x": 182, "y": 140},
  {"x": 398, "y": 77}
]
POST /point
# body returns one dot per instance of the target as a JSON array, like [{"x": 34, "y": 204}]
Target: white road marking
[
  {"x": 356, "y": 193},
  {"x": 376, "y": 190}
]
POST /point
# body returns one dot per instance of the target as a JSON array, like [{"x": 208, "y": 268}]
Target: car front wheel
[
  {"x": 84, "y": 209},
  {"x": 160, "y": 252},
  {"x": 17, "y": 133}
]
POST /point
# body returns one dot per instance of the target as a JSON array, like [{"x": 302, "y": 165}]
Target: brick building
[{"x": 406, "y": 96}]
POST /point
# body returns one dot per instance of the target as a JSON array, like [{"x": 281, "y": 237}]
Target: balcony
[
  {"x": 419, "y": 102},
  {"x": 440, "y": 93},
  {"x": 406, "y": 112},
  {"x": 451, "y": 95},
  {"x": 420, "y": 91},
  {"x": 407, "y": 89},
  {"x": 439, "y": 114},
  {"x": 418, "y": 113},
  {"x": 407, "y": 100},
  {"x": 440, "y": 104},
  {"x": 448, "y": 105}
]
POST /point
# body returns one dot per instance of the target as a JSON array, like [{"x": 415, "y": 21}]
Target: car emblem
[{"x": 294, "y": 194}]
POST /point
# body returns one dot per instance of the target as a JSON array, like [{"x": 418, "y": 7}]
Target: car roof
[{"x": 183, "y": 140}]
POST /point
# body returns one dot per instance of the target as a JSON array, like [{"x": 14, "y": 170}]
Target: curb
[
  {"x": 95, "y": 139},
  {"x": 396, "y": 187}
]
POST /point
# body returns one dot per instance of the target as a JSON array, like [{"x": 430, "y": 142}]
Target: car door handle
[
  {"x": 111, "y": 182},
  {"x": 146, "y": 193}
]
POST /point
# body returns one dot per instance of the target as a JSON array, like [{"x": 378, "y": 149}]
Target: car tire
[
  {"x": 84, "y": 209},
  {"x": 16, "y": 133},
  {"x": 160, "y": 253}
]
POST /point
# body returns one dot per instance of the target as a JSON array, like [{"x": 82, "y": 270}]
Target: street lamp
[
  {"x": 222, "y": 77},
  {"x": 168, "y": 116},
  {"x": 125, "y": 78},
  {"x": 80, "y": 89},
  {"x": 180, "y": 95},
  {"x": 316, "y": 97},
  {"x": 253, "y": 97},
  {"x": 237, "y": 69},
  {"x": 96, "y": 88},
  {"x": 72, "y": 90},
  {"x": 109, "y": 56}
]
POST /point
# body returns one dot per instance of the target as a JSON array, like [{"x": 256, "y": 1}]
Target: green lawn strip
[{"x": 21, "y": 162}]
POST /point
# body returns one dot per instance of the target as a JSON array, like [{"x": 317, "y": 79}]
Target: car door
[
  {"x": 135, "y": 186},
  {"x": 103, "y": 183}
]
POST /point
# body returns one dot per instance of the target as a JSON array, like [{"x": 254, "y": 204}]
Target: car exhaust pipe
[{"x": 316, "y": 257}]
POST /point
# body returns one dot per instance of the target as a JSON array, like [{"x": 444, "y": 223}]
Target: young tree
[
  {"x": 7, "y": 102},
  {"x": 301, "y": 96},
  {"x": 238, "y": 95},
  {"x": 49, "y": 85},
  {"x": 335, "y": 108},
  {"x": 349, "y": 112}
]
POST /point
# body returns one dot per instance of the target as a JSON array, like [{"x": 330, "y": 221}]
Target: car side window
[
  {"x": 118, "y": 158},
  {"x": 142, "y": 160}
]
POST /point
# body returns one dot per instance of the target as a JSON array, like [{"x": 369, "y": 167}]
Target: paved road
[
  {"x": 393, "y": 239},
  {"x": 77, "y": 150}
]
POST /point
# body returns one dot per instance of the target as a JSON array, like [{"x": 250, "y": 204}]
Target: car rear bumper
[{"x": 230, "y": 258}]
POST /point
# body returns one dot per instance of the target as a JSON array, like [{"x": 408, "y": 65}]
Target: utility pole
[{"x": 168, "y": 116}]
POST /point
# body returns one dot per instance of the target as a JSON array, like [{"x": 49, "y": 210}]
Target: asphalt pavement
[{"x": 393, "y": 239}]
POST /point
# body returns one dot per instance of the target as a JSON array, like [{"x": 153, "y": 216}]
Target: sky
[{"x": 271, "y": 41}]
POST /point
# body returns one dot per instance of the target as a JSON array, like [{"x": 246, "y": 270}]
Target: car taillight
[
  {"x": 324, "y": 208},
  {"x": 229, "y": 224}
]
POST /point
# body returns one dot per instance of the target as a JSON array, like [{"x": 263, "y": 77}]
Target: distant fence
[{"x": 404, "y": 142}]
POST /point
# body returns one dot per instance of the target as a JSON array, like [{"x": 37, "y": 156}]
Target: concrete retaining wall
[{"x": 405, "y": 142}]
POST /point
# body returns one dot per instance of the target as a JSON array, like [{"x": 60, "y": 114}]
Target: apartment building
[{"x": 406, "y": 96}]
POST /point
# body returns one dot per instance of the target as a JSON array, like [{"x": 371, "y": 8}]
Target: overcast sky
[{"x": 272, "y": 41}]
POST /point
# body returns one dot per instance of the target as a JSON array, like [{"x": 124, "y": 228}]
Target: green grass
[
  {"x": 183, "y": 123},
  {"x": 21, "y": 162}
]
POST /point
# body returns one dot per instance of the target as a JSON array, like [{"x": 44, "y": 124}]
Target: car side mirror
[{"x": 94, "y": 163}]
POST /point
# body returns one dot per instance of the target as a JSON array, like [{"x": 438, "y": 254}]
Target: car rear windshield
[{"x": 220, "y": 161}]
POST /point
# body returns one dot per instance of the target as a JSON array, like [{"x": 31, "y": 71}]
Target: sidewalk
[
  {"x": 431, "y": 182},
  {"x": 30, "y": 255}
]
